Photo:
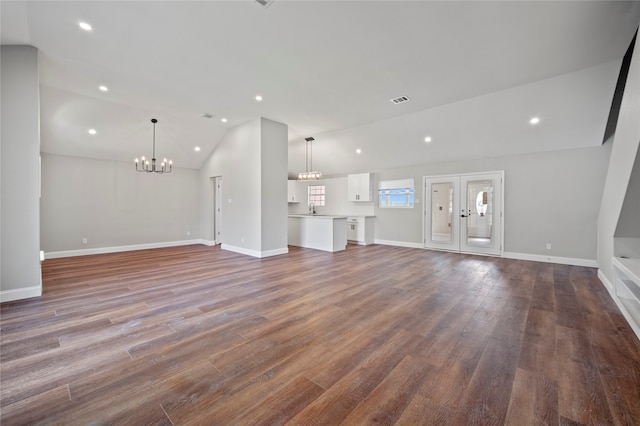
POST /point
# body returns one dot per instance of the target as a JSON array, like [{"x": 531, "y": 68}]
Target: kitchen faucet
[{"x": 312, "y": 208}]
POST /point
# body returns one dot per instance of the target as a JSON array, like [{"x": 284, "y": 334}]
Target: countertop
[{"x": 317, "y": 216}]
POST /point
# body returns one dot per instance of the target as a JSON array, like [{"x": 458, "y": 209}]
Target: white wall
[
  {"x": 550, "y": 197},
  {"x": 252, "y": 160},
  {"x": 112, "y": 205},
  {"x": 19, "y": 170},
  {"x": 623, "y": 153},
  {"x": 629, "y": 220},
  {"x": 274, "y": 153}
]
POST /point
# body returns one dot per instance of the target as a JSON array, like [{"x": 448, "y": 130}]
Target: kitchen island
[{"x": 320, "y": 232}]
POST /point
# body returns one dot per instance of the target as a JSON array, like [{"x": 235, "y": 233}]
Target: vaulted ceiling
[{"x": 475, "y": 73}]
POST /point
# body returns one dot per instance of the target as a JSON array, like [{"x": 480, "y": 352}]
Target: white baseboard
[
  {"x": 116, "y": 249},
  {"x": 209, "y": 243},
  {"x": 551, "y": 259},
  {"x": 399, "y": 243},
  {"x": 511, "y": 255},
  {"x": 607, "y": 284},
  {"x": 255, "y": 253},
  {"x": 20, "y": 293}
]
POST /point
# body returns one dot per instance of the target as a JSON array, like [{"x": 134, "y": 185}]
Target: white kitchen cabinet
[
  {"x": 295, "y": 192},
  {"x": 360, "y": 187},
  {"x": 360, "y": 229},
  {"x": 317, "y": 232}
]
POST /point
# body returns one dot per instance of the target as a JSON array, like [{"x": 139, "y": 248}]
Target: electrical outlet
[
  {"x": 548, "y": 246},
  {"x": 188, "y": 233},
  {"x": 242, "y": 239},
  {"x": 84, "y": 241}
]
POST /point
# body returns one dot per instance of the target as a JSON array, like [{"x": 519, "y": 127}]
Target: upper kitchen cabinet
[
  {"x": 295, "y": 193},
  {"x": 360, "y": 187}
]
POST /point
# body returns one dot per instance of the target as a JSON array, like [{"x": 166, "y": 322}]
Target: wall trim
[
  {"x": 209, "y": 243},
  {"x": 116, "y": 249},
  {"x": 551, "y": 259},
  {"x": 20, "y": 293},
  {"x": 607, "y": 284},
  {"x": 399, "y": 243},
  {"x": 510, "y": 255},
  {"x": 255, "y": 253}
]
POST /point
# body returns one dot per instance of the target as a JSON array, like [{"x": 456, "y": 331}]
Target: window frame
[{"x": 396, "y": 188}]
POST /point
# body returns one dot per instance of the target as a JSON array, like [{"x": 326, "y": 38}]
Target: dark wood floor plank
[
  {"x": 581, "y": 396},
  {"x": 486, "y": 398},
  {"x": 373, "y": 334},
  {"x": 333, "y": 406},
  {"x": 534, "y": 400},
  {"x": 386, "y": 403},
  {"x": 538, "y": 353},
  {"x": 35, "y": 409},
  {"x": 567, "y": 310},
  {"x": 247, "y": 393}
]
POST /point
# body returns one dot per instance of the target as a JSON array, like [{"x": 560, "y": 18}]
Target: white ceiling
[{"x": 475, "y": 72}]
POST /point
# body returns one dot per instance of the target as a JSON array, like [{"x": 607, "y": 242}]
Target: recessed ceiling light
[
  {"x": 259, "y": 98},
  {"x": 84, "y": 26},
  {"x": 92, "y": 131},
  {"x": 534, "y": 120},
  {"x": 427, "y": 139},
  {"x": 103, "y": 88},
  {"x": 358, "y": 151},
  {"x": 224, "y": 120},
  {"x": 196, "y": 149}
]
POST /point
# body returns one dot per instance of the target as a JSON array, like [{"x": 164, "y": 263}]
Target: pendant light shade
[{"x": 309, "y": 175}]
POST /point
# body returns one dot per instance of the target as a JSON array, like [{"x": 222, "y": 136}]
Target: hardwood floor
[{"x": 376, "y": 334}]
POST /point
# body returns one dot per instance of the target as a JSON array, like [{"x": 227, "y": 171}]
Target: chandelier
[
  {"x": 309, "y": 175},
  {"x": 143, "y": 164}
]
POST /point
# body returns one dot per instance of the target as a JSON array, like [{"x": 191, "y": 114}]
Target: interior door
[
  {"x": 217, "y": 207},
  {"x": 464, "y": 213},
  {"x": 441, "y": 217}
]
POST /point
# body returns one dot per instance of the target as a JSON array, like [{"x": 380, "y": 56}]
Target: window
[
  {"x": 316, "y": 195},
  {"x": 396, "y": 193}
]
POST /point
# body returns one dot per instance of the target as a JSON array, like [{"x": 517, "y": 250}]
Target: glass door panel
[
  {"x": 478, "y": 220},
  {"x": 479, "y": 213},
  {"x": 441, "y": 230},
  {"x": 441, "y": 212}
]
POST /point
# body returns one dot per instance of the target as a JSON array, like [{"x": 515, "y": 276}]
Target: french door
[{"x": 464, "y": 213}]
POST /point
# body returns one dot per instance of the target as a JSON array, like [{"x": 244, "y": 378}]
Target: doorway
[
  {"x": 217, "y": 210},
  {"x": 464, "y": 213}
]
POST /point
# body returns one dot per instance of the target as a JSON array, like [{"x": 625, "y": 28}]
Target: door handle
[{"x": 463, "y": 215}]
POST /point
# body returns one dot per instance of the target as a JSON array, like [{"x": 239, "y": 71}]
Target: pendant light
[
  {"x": 309, "y": 175},
  {"x": 153, "y": 167}
]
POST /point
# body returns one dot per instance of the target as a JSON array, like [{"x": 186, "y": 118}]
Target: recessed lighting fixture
[
  {"x": 358, "y": 151},
  {"x": 196, "y": 149},
  {"x": 534, "y": 120},
  {"x": 92, "y": 131},
  {"x": 224, "y": 120},
  {"x": 85, "y": 26},
  {"x": 259, "y": 98},
  {"x": 103, "y": 88},
  {"x": 427, "y": 139}
]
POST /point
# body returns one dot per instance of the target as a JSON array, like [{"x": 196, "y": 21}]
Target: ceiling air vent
[
  {"x": 265, "y": 3},
  {"x": 399, "y": 100}
]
